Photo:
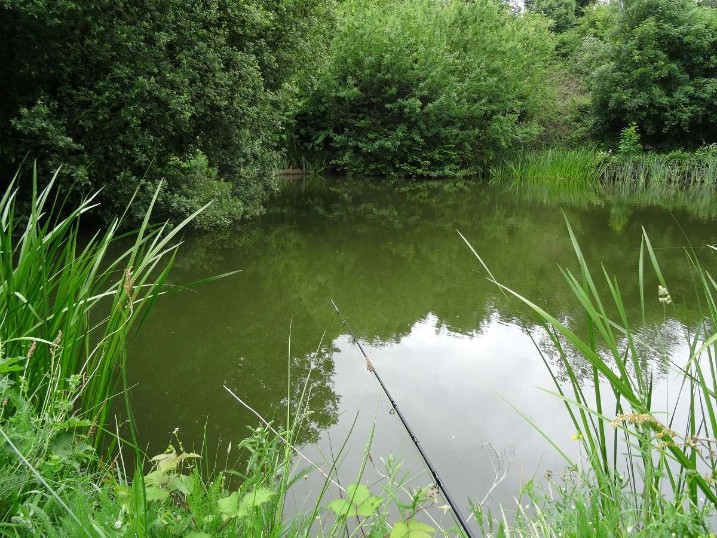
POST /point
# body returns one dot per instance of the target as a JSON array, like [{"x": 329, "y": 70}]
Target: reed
[
  {"x": 653, "y": 462},
  {"x": 666, "y": 172},
  {"x": 70, "y": 302},
  {"x": 557, "y": 167},
  {"x": 564, "y": 170}
]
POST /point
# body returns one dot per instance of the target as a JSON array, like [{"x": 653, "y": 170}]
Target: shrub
[
  {"x": 423, "y": 88},
  {"x": 117, "y": 91},
  {"x": 660, "y": 74},
  {"x": 629, "y": 141}
]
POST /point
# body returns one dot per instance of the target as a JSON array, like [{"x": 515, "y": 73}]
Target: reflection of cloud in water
[
  {"x": 453, "y": 389},
  {"x": 450, "y": 386}
]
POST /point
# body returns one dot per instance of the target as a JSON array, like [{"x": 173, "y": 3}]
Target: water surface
[{"x": 454, "y": 352}]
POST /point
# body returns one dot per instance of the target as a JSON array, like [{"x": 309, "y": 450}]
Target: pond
[{"x": 455, "y": 353}]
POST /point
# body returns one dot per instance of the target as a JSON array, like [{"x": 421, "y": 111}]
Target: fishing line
[{"x": 437, "y": 479}]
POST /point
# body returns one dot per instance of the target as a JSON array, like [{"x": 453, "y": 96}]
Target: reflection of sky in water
[
  {"x": 448, "y": 386},
  {"x": 452, "y": 389}
]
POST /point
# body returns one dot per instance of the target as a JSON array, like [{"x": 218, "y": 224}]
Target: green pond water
[{"x": 448, "y": 345}]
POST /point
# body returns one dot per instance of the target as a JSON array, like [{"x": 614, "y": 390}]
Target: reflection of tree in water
[
  {"x": 559, "y": 352},
  {"x": 619, "y": 217},
  {"x": 654, "y": 347},
  {"x": 311, "y": 394},
  {"x": 389, "y": 257}
]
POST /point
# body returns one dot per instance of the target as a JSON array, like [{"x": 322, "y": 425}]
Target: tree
[
  {"x": 660, "y": 74},
  {"x": 425, "y": 88},
  {"x": 128, "y": 92},
  {"x": 563, "y": 13}
]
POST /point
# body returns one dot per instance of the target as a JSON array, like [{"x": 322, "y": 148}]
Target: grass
[
  {"x": 649, "y": 467},
  {"x": 567, "y": 169},
  {"x": 669, "y": 171},
  {"x": 70, "y": 305},
  {"x": 71, "y": 302},
  {"x": 560, "y": 167}
]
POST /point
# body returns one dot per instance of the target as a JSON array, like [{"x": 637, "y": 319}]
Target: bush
[
  {"x": 423, "y": 88},
  {"x": 660, "y": 73},
  {"x": 629, "y": 141},
  {"x": 194, "y": 183},
  {"x": 117, "y": 91},
  {"x": 562, "y": 13}
]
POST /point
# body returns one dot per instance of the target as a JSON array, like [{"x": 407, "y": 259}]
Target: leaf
[
  {"x": 196, "y": 534},
  {"x": 369, "y": 506},
  {"x": 170, "y": 460},
  {"x": 357, "y": 493},
  {"x": 399, "y": 530},
  {"x": 181, "y": 483},
  {"x": 11, "y": 364},
  {"x": 76, "y": 423},
  {"x": 228, "y": 506},
  {"x": 254, "y": 499},
  {"x": 61, "y": 445},
  {"x": 412, "y": 529},
  {"x": 358, "y": 502},
  {"x": 340, "y": 507},
  {"x": 153, "y": 493},
  {"x": 156, "y": 478}
]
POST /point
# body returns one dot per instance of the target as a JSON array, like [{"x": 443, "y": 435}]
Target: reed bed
[
  {"x": 560, "y": 167},
  {"x": 70, "y": 302},
  {"x": 668, "y": 171},
  {"x": 564, "y": 170},
  {"x": 649, "y": 467}
]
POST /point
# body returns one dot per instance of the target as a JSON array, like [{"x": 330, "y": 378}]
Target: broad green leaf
[
  {"x": 254, "y": 499},
  {"x": 228, "y": 506},
  {"x": 412, "y": 529},
  {"x": 61, "y": 445},
  {"x": 181, "y": 483},
  {"x": 341, "y": 507},
  {"x": 358, "y": 502},
  {"x": 170, "y": 460},
  {"x": 369, "y": 506},
  {"x": 153, "y": 493},
  {"x": 196, "y": 534},
  {"x": 156, "y": 478},
  {"x": 12, "y": 365},
  {"x": 357, "y": 493},
  {"x": 76, "y": 423}
]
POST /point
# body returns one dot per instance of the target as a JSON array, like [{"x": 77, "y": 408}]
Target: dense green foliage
[
  {"x": 207, "y": 95},
  {"x": 124, "y": 93},
  {"x": 561, "y": 12},
  {"x": 651, "y": 63},
  {"x": 423, "y": 88}
]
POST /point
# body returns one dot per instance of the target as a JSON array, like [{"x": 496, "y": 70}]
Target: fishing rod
[{"x": 439, "y": 483}]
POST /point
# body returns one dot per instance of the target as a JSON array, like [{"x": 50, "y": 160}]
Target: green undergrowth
[{"x": 54, "y": 484}]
